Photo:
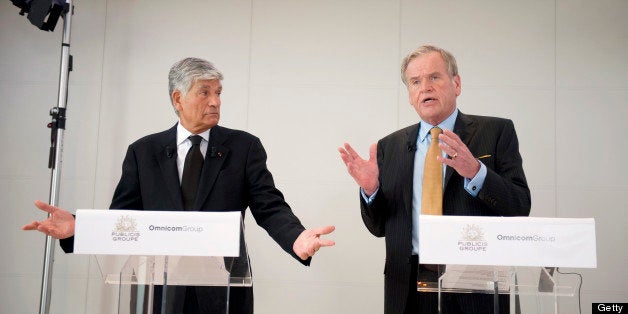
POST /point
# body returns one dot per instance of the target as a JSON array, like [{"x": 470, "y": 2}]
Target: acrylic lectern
[
  {"x": 153, "y": 284},
  {"x": 515, "y": 256},
  {"x": 154, "y": 258}
]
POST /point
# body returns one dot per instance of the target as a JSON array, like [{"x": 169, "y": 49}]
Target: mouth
[{"x": 428, "y": 100}]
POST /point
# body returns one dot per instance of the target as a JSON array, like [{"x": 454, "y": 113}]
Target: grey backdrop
[{"x": 306, "y": 76}]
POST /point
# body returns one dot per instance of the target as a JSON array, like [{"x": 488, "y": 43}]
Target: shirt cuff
[
  {"x": 368, "y": 199},
  {"x": 473, "y": 186}
]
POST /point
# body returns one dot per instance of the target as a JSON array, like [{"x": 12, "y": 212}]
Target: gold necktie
[{"x": 432, "y": 200}]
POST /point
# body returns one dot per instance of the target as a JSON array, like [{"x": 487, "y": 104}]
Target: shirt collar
[
  {"x": 447, "y": 124},
  {"x": 183, "y": 134}
]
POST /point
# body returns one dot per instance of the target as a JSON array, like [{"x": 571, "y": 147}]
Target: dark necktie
[
  {"x": 432, "y": 200},
  {"x": 192, "y": 172}
]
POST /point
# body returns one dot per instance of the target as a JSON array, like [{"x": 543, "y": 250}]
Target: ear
[
  {"x": 176, "y": 99},
  {"x": 458, "y": 84}
]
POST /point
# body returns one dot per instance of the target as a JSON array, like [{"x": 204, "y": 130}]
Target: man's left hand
[
  {"x": 309, "y": 242},
  {"x": 460, "y": 157}
]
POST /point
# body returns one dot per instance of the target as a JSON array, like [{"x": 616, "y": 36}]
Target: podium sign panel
[
  {"x": 132, "y": 232},
  {"x": 507, "y": 241}
]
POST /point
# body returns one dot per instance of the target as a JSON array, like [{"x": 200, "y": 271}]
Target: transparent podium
[
  {"x": 179, "y": 265},
  {"x": 530, "y": 289},
  {"x": 511, "y": 256},
  {"x": 157, "y": 284}
]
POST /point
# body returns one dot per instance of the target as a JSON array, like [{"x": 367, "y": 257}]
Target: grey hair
[
  {"x": 186, "y": 72},
  {"x": 450, "y": 61}
]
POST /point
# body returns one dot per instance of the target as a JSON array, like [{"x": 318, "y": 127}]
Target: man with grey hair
[
  {"x": 198, "y": 165},
  {"x": 477, "y": 171}
]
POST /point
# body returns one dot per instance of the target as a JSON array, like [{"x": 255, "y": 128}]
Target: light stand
[{"x": 57, "y": 127}]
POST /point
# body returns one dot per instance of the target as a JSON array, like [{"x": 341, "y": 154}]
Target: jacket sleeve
[
  {"x": 505, "y": 189},
  {"x": 267, "y": 203},
  {"x": 374, "y": 213},
  {"x": 127, "y": 194}
]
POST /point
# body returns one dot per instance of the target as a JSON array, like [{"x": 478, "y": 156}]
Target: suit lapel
[
  {"x": 407, "y": 162},
  {"x": 465, "y": 129},
  {"x": 167, "y": 159},
  {"x": 214, "y": 158}
]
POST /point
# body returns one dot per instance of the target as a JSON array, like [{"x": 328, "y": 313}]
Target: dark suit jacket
[
  {"x": 504, "y": 193},
  {"x": 234, "y": 177}
]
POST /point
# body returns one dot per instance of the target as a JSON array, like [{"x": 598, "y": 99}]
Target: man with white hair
[{"x": 198, "y": 165}]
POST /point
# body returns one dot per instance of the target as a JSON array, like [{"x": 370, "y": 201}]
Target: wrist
[{"x": 370, "y": 191}]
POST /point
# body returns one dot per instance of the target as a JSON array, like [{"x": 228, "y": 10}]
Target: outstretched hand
[
  {"x": 59, "y": 225},
  {"x": 309, "y": 241},
  {"x": 364, "y": 172}
]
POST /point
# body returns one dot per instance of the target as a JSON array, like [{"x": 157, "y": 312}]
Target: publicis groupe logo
[
  {"x": 472, "y": 239},
  {"x": 125, "y": 229}
]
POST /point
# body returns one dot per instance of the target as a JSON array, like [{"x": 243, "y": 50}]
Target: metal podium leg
[
  {"x": 496, "y": 297},
  {"x": 495, "y": 292}
]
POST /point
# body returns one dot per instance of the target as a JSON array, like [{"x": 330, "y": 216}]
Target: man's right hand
[
  {"x": 364, "y": 172},
  {"x": 59, "y": 225}
]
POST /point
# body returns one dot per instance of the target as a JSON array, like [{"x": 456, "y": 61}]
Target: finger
[
  {"x": 351, "y": 151},
  {"x": 31, "y": 226},
  {"x": 342, "y": 151},
  {"x": 303, "y": 256},
  {"x": 373, "y": 152},
  {"x": 344, "y": 155},
  {"x": 325, "y": 242},
  {"x": 323, "y": 230},
  {"x": 446, "y": 161},
  {"x": 447, "y": 149},
  {"x": 447, "y": 142},
  {"x": 454, "y": 142},
  {"x": 453, "y": 136},
  {"x": 46, "y": 207}
]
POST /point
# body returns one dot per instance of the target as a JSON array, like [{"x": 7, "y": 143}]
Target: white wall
[{"x": 306, "y": 76}]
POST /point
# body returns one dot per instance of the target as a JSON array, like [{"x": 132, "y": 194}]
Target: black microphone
[
  {"x": 212, "y": 154},
  {"x": 169, "y": 151},
  {"x": 411, "y": 146}
]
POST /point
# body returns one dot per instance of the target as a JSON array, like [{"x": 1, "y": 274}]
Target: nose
[
  {"x": 214, "y": 101},
  {"x": 426, "y": 86}
]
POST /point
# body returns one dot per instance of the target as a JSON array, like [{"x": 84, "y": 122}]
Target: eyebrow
[
  {"x": 428, "y": 75},
  {"x": 205, "y": 86}
]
